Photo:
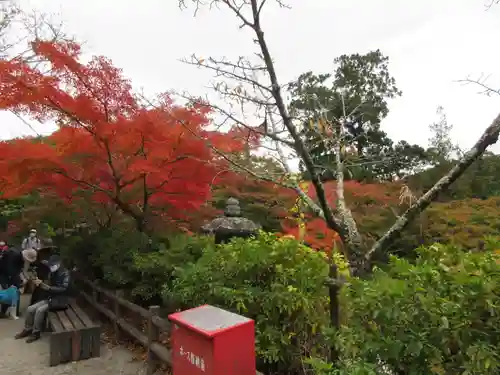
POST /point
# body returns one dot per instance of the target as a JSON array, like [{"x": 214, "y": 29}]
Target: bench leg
[
  {"x": 55, "y": 355},
  {"x": 95, "y": 334},
  {"x": 76, "y": 345},
  {"x": 60, "y": 348},
  {"x": 87, "y": 347}
]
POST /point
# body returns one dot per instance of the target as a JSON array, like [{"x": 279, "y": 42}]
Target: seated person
[
  {"x": 56, "y": 298},
  {"x": 10, "y": 297},
  {"x": 11, "y": 266}
]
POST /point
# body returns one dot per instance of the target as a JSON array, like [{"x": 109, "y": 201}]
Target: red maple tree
[{"x": 110, "y": 143}]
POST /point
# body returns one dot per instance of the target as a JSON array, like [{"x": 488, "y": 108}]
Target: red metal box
[{"x": 210, "y": 340}]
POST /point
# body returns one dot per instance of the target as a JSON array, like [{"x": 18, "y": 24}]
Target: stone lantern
[{"x": 231, "y": 224}]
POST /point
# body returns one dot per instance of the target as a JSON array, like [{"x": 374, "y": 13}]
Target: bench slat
[
  {"x": 66, "y": 323},
  {"x": 82, "y": 315},
  {"x": 77, "y": 322},
  {"x": 55, "y": 323}
]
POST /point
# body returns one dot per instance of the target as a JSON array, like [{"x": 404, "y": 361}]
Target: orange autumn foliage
[
  {"x": 109, "y": 143},
  {"x": 261, "y": 201},
  {"x": 265, "y": 203},
  {"x": 363, "y": 199},
  {"x": 317, "y": 234}
]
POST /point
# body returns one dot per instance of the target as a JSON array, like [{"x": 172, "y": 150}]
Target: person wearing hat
[
  {"x": 11, "y": 266},
  {"x": 56, "y": 298},
  {"x": 29, "y": 258},
  {"x": 32, "y": 241}
]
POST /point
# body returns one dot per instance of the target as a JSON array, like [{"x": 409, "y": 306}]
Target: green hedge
[
  {"x": 277, "y": 282},
  {"x": 438, "y": 316}
]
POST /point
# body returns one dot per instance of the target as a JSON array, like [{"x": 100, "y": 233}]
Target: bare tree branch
[
  {"x": 490, "y": 3},
  {"x": 18, "y": 28},
  {"x": 269, "y": 103},
  {"x": 489, "y": 137},
  {"x": 485, "y": 89},
  {"x": 252, "y": 20}
]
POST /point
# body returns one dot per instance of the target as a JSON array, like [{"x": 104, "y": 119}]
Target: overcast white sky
[{"x": 431, "y": 45}]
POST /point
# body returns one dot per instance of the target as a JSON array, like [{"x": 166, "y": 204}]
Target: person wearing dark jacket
[
  {"x": 56, "y": 298},
  {"x": 11, "y": 266}
]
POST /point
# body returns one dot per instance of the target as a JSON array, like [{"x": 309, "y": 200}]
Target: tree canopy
[
  {"x": 133, "y": 178},
  {"x": 110, "y": 144},
  {"x": 359, "y": 89}
]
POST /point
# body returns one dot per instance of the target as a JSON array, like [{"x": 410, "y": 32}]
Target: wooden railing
[{"x": 157, "y": 352}]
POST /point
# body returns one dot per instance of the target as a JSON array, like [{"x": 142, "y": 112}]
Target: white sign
[{"x": 193, "y": 359}]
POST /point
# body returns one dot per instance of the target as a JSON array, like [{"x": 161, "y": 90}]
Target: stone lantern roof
[{"x": 231, "y": 224}]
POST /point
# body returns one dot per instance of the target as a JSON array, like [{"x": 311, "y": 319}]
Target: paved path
[{"x": 19, "y": 358}]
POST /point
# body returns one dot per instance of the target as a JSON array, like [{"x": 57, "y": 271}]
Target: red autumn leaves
[
  {"x": 115, "y": 149},
  {"x": 110, "y": 142}
]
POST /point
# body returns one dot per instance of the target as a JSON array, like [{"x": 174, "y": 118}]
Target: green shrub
[
  {"x": 126, "y": 260},
  {"x": 72, "y": 250},
  {"x": 275, "y": 281},
  {"x": 440, "y": 315},
  {"x": 107, "y": 255},
  {"x": 156, "y": 268},
  {"x": 114, "y": 254}
]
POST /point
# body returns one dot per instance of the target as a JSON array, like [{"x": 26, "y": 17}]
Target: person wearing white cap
[
  {"x": 29, "y": 255},
  {"x": 32, "y": 241}
]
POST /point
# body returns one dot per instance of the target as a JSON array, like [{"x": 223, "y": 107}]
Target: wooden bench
[{"x": 74, "y": 336}]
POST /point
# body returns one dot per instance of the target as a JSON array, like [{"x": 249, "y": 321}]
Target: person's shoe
[
  {"x": 24, "y": 333},
  {"x": 34, "y": 337}
]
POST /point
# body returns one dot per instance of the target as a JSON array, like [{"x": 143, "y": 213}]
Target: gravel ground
[{"x": 19, "y": 358}]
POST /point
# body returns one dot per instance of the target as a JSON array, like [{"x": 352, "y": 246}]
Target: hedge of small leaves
[
  {"x": 276, "y": 281},
  {"x": 440, "y": 315},
  {"x": 436, "y": 315}
]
